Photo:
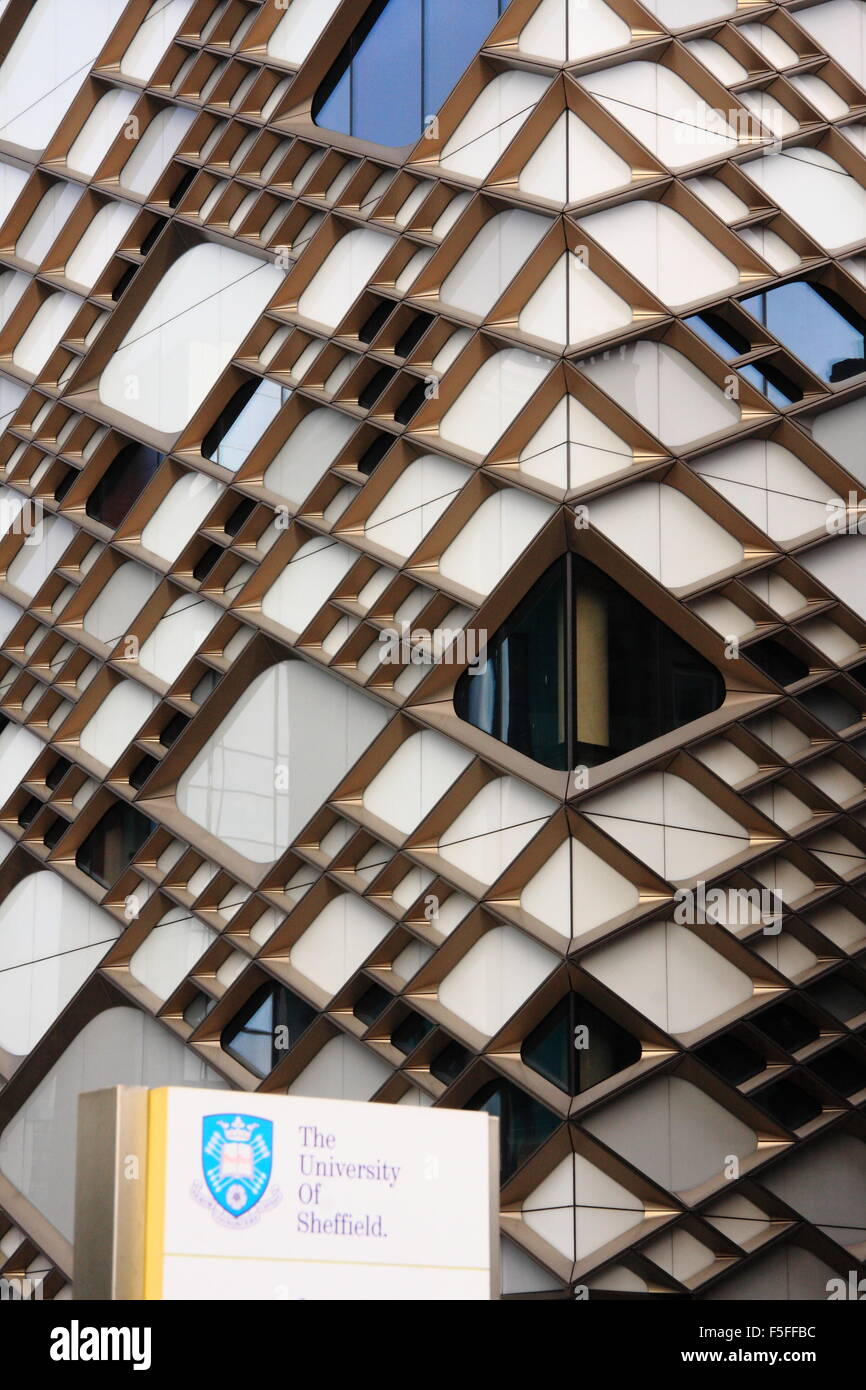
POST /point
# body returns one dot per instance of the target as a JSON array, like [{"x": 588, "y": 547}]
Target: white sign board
[{"x": 281, "y": 1197}]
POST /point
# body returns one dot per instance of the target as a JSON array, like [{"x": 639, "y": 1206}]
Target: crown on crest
[{"x": 237, "y": 1132}]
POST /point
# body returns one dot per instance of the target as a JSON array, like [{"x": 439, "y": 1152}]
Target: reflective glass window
[
  {"x": 400, "y": 64},
  {"x": 816, "y": 325},
  {"x": 411, "y": 1032},
  {"x": 777, "y": 661},
  {"x": 842, "y": 1068},
  {"x": 372, "y": 1003},
  {"x": 787, "y": 1026},
  {"x": 242, "y": 423},
  {"x": 122, "y": 483},
  {"x": 779, "y": 389},
  {"x": 576, "y": 1046},
  {"x": 523, "y": 1122},
  {"x": 732, "y": 1058},
  {"x": 113, "y": 843},
  {"x": 447, "y": 1065},
  {"x": 788, "y": 1104},
  {"x": 453, "y": 33},
  {"x": 722, "y": 338},
  {"x": 270, "y": 1022},
  {"x": 198, "y": 1009},
  {"x": 582, "y": 673}
]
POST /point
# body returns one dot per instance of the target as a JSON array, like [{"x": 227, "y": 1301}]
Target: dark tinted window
[
  {"x": 372, "y": 1003},
  {"x": 843, "y": 1069},
  {"x": 29, "y": 811},
  {"x": 523, "y": 1122},
  {"x": 142, "y": 770},
  {"x": 581, "y": 673},
  {"x": 112, "y": 845},
  {"x": 374, "y": 454},
  {"x": 412, "y": 335},
  {"x": 447, "y": 1065},
  {"x": 65, "y": 484},
  {"x": 732, "y": 1059},
  {"x": 122, "y": 483},
  {"x": 205, "y": 563},
  {"x": 577, "y": 1046},
  {"x": 242, "y": 512},
  {"x": 777, "y": 661},
  {"x": 830, "y": 707},
  {"x": 269, "y": 1024},
  {"x": 789, "y": 1104},
  {"x": 173, "y": 729},
  {"x": 377, "y": 320},
  {"x": 375, "y": 386},
  {"x": 54, "y": 832},
  {"x": 411, "y": 403},
  {"x": 57, "y": 772},
  {"x": 124, "y": 282},
  {"x": 839, "y": 997},
  {"x": 411, "y": 1032},
  {"x": 787, "y": 1027}
]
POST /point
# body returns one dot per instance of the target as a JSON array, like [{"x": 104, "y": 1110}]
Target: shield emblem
[{"x": 236, "y": 1159}]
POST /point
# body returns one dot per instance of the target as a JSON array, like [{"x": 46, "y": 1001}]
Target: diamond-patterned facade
[{"x": 276, "y": 400}]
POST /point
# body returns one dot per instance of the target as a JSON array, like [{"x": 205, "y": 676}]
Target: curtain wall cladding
[{"x": 433, "y": 601}]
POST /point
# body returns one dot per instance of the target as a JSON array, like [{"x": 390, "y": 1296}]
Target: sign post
[{"x": 191, "y": 1194}]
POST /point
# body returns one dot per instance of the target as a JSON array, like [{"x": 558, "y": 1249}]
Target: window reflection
[
  {"x": 577, "y": 1046},
  {"x": 242, "y": 423},
  {"x": 721, "y": 336},
  {"x": 447, "y": 1065},
  {"x": 400, "y": 64},
  {"x": 113, "y": 843},
  {"x": 779, "y": 389},
  {"x": 122, "y": 483},
  {"x": 411, "y": 1032},
  {"x": 816, "y": 325},
  {"x": 270, "y": 1022},
  {"x": 582, "y": 673},
  {"x": 523, "y": 1122},
  {"x": 372, "y": 1003}
]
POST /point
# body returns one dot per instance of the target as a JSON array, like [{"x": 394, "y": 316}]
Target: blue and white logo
[{"x": 236, "y": 1159}]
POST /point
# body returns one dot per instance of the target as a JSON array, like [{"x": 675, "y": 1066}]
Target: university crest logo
[{"x": 236, "y": 1160}]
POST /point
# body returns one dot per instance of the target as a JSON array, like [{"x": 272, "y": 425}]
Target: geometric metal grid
[{"x": 478, "y": 354}]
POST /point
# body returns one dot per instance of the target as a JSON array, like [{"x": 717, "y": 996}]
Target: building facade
[{"x": 433, "y": 602}]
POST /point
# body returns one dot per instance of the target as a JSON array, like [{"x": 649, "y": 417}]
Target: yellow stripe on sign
[{"x": 154, "y": 1208}]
